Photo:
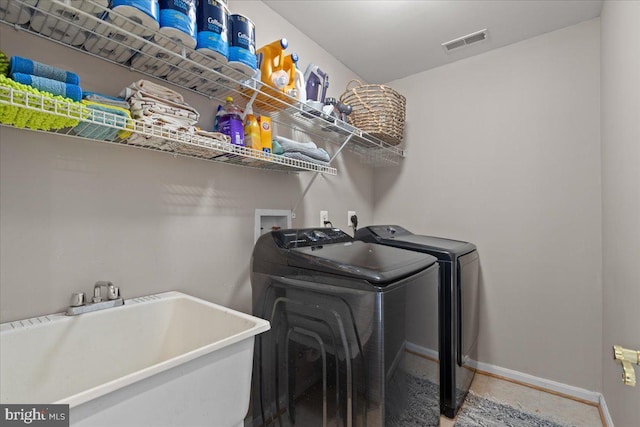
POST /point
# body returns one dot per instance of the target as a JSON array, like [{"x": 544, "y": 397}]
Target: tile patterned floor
[{"x": 556, "y": 408}]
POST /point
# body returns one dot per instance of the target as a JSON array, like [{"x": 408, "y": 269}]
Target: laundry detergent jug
[{"x": 271, "y": 63}]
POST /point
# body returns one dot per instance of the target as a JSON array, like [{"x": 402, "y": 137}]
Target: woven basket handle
[
  {"x": 367, "y": 106},
  {"x": 351, "y": 81}
]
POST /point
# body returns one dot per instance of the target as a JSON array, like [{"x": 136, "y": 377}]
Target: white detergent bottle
[{"x": 300, "y": 86}]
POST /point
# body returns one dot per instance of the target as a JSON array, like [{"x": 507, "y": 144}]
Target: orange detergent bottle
[{"x": 271, "y": 59}]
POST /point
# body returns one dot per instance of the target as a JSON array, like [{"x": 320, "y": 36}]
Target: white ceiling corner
[{"x": 386, "y": 40}]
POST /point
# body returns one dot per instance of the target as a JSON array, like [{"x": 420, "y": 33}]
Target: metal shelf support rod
[{"x": 315, "y": 175}]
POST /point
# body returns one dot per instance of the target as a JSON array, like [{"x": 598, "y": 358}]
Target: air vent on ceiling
[{"x": 476, "y": 37}]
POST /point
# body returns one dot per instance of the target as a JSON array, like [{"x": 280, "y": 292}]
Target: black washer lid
[
  {"x": 400, "y": 237},
  {"x": 377, "y": 264}
]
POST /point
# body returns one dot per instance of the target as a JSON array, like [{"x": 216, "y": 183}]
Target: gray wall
[
  {"x": 73, "y": 212},
  {"x": 621, "y": 200},
  {"x": 503, "y": 150}
]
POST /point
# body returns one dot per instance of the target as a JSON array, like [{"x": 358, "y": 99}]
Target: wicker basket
[{"x": 377, "y": 109}]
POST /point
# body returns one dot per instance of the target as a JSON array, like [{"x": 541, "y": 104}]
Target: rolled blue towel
[
  {"x": 105, "y": 99},
  {"x": 22, "y": 65},
  {"x": 104, "y": 133},
  {"x": 48, "y": 85}
]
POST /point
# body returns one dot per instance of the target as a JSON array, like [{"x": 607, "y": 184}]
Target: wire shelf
[
  {"x": 209, "y": 146},
  {"x": 92, "y": 28}
]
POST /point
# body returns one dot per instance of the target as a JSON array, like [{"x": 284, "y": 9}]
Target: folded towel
[
  {"x": 27, "y": 66},
  {"x": 154, "y": 89},
  {"x": 105, "y": 99},
  {"x": 154, "y": 101},
  {"x": 144, "y": 103},
  {"x": 54, "y": 87},
  {"x": 104, "y": 133},
  {"x": 299, "y": 156},
  {"x": 276, "y": 148},
  {"x": 149, "y": 141},
  {"x": 214, "y": 135},
  {"x": 308, "y": 149},
  {"x": 291, "y": 145}
]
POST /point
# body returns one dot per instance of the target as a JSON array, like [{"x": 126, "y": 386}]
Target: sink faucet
[
  {"x": 79, "y": 306},
  {"x": 112, "y": 291}
]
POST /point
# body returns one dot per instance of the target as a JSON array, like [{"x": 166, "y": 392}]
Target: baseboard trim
[
  {"x": 422, "y": 351},
  {"x": 565, "y": 390},
  {"x": 592, "y": 398},
  {"x": 604, "y": 412}
]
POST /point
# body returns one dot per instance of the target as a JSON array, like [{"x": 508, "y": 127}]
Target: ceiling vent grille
[{"x": 476, "y": 37}]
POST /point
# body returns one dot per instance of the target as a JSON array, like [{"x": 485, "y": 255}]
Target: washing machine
[
  {"x": 458, "y": 306},
  {"x": 343, "y": 316}
]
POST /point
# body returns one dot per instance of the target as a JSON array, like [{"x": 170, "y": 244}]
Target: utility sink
[{"x": 162, "y": 360}]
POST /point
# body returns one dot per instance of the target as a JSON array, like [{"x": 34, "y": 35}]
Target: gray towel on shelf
[
  {"x": 307, "y": 149},
  {"x": 299, "y": 156}
]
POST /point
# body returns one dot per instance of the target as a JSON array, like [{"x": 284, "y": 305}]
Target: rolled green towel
[
  {"x": 4, "y": 64},
  {"x": 17, "y": 116}
]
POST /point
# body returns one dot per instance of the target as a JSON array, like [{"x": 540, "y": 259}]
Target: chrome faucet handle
[
  {"x": 113, "y": 292},
  {"x": 97, "y": 290},
  {"x": 77, "y": 299}
]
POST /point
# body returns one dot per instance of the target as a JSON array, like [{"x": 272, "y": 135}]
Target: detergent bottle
[
  {"x": 289, "y": 67},
  {"x": 230, "y": 122},
  {"x": 271, "y": 63},
  {"x": 300, "y": 85},
  {"x": 252, "y": 131}
]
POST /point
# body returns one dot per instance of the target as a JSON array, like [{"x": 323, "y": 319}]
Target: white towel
[
  {"x": 151, "y": 99},
  {"x": 145, "y": 107},
  {"x": 153, "y": 89}
]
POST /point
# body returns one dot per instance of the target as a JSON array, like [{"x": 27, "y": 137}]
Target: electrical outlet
[
  {"x": 349, "y": 215},
  {"x": 324, "y": 216}
]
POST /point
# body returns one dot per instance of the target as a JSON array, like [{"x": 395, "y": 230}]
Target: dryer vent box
[{"x": 267, "y": 220}]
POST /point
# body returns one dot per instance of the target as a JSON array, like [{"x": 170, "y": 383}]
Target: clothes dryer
[
  {"x": 458, "y": 306},
  {"x": 343, "y": 315}
]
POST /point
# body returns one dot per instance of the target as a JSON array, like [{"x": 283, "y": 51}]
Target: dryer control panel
[{"x": 298, "y": 238}]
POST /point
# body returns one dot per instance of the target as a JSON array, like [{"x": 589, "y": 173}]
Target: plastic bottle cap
[
  {"x": 280, "y": 79},
  {"x": 284, "y": 43}
]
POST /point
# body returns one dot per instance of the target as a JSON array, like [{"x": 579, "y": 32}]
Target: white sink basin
[{"x": 163, "y": 360}]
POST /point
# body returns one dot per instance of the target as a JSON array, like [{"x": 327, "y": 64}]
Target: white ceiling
[{"x": 385, "y": 40}]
